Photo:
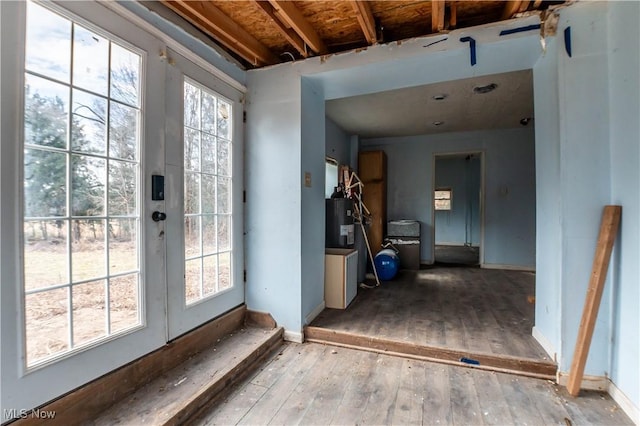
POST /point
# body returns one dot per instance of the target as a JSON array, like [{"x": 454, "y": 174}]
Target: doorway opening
[{"x": 458, "y": 181}]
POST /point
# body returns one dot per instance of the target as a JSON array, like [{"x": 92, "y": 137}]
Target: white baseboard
[
  {"x": 602, "y": 383},
  {"x": 293, "y": 336},
  {"x": 599, "y": 383},
  {"x": 508, "y": 267},
  {"x": 625, "y": 403},
  {"x": 313, "y": 314},
  {"x": 545, "y": 343}
]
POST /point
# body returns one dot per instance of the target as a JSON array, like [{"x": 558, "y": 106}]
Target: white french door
[
  {"x": 204, "y": 195},
  {"x": 91, "y": 111}
]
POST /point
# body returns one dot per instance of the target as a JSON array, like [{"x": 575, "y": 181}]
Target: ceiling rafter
[
  {"x": 437, "y": 15},
  {"x": 292, "y": 37},
  {"x": 294, "y": 18},
  {"x": 365, "y": 19},
  {"x": 453, "y": 15},
  {"x": 213, "y": 21},
  {"x": 510, "y": 8},
  {"x": 524, "y": 6}
]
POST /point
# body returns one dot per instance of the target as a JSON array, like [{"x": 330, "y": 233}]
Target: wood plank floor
[
  {"x": 468, "y": 309},
  {"x": 314, "y": 384}
]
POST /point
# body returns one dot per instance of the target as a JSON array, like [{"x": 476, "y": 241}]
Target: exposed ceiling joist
[
  {"x": 211, "y": 20},
  {"x": 365, "y": 18},
  {"x": 292, "y": 37},
  {"x": 437, "y": 16},
  {"x": 294, "y": 18},
  {"x": 524, "y": 6},
  {"x": 453, "y": 15},
  {"x": 510, "y": 8}
]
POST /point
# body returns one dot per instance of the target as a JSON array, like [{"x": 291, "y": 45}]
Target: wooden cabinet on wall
[{"x": 372, "y": 170}]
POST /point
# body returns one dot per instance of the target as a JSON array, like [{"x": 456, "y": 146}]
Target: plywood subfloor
[
  {"x": 314, "y": 384},
  {"x": 469, "y": 309}
]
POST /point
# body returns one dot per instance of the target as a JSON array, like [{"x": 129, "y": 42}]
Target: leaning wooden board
[{"x": 608, "y": 231}]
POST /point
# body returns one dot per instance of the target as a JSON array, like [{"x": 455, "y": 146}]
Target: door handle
[{"x": 158, "y": 216}]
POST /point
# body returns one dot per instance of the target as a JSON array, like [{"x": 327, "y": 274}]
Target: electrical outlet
[{"x": 307, "y": 179}]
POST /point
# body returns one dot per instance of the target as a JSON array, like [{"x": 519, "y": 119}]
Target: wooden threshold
[
  {"x": 504, "y": 364},
  {"x": 175, "y": 398},
  {"x": 83, "y": 404}
]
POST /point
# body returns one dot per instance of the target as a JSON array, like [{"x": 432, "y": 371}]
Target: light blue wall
[
  {"x": 461, "y": 224},
  {"x": 338, "y": 143},
  {"x": 587, "y": 150},
  {"x": 273, "y": 179},
  {"x": 624, "y": 96},
  {"x": 313, "y": 205},
  {"x": 509, "y": 164},
  {"x": 548, "y": 197},
  {"x": 584, "y": 173}
]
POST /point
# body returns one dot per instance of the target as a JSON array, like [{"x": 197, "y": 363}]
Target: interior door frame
[
  {"x": 434, "y": 157},
  {"x": 182, "y": 318}
]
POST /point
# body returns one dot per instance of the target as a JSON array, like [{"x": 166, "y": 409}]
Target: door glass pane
[
  {"x": 191, "y": 149},
  {"x": 46, "y": 112},
  {"x": 192, "y": 238},
  {"x": 88, "y": 258},
  {"x": 208, "y": 183},
  {"x": 48, "y": 43},
  {"x": 123, "y": 245},
  {"x": 88, "y": 182},
  {"x": 192, "y": 280},
  {"x": 45, "y": 253},
  {"x": 124, "y": 302},
  {"x": 90, "y": 60},
  {"x": 78, "y": 174},
  {"x": 210, "y": 275},
  {"x": 123, "y": 194},
  {"x": 89, "y": 313},
  {"x": 88, "y": 132},
  {"x": 225, "y": 270},
  {"x": 45, "y": 183},
  {"x": 224, "y": 119},
  {"x": 123, "y": 137},
  {"x": 125, "y": 75},
  {"x": 47, "y": 323}
]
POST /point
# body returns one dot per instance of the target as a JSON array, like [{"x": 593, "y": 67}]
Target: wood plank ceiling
[{"x": 266, "y": 32}]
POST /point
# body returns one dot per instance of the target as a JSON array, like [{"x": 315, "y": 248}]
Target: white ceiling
[{"x": 412, "y": 111}]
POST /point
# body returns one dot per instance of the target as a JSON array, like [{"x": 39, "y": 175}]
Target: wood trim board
[{"x": 509, "y": 364}]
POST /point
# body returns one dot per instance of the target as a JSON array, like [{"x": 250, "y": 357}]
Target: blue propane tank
[{"x": 387, "y": 264}]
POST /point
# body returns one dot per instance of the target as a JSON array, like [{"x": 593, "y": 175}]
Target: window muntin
[
  {"x": 207, "y": 192},
  {"x": 81, "y": 225}
]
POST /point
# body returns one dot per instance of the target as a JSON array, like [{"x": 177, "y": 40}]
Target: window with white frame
[
  {"x": 442, "y": 199},
  {"x": 330, "y": 176},
  {"x": 81, "y": 222},
  {"x": 207, "y": 192}
]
